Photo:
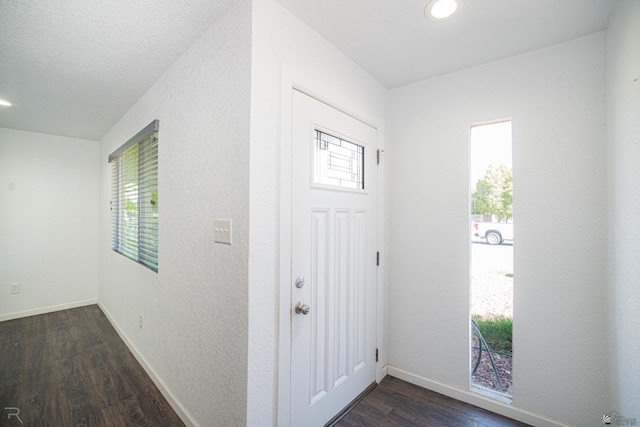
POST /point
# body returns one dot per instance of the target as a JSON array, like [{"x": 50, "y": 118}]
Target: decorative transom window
[
  {"x": 338, "y": 163},
  {"x": 134, "y": 197}
]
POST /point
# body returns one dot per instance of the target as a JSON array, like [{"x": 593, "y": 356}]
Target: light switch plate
[{"x": 222, "y": 230}]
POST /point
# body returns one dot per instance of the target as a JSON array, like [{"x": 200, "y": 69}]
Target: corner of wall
[{"x": 623, "y": 155}]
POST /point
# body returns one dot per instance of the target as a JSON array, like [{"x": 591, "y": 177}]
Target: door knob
[{"x": 302, "y": 308}]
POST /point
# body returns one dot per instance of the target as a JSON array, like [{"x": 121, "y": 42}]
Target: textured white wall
[
  {"x": 48, "y": 222},
  {"x": 555, "y": 97},
  {"x": 282, "y": 43},
  {"x": 195, "y": 307},
  {"x": 623, "y": 133}
]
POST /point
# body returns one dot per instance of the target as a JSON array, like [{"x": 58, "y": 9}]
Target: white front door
[{"x": 334, "y": 245}]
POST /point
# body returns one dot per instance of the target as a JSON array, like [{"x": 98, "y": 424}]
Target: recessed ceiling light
[
  {"x": 442, "y": 10},
  {"x": 5, "y": 103}
]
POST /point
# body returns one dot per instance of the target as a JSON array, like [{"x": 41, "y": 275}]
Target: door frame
[{"x": 297, "y": 81}]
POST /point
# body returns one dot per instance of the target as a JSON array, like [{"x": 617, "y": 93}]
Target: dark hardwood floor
[
  {"x": 395, "y": 402},
  {"x": 70, "y": 368}
]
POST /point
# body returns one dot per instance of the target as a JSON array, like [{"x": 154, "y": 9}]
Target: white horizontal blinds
[
  {"x": 134, "y": 202},
  {"x": 116, "y": 189},
  {"x": 148, "y": 197}
]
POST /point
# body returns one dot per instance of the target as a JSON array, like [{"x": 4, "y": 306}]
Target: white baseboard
[
  {"x": 45, "y": 310},
  {"x": 175, "y": 403},
  {"x": 383, "y": 372},
  {"x": 476, "y": 399}
]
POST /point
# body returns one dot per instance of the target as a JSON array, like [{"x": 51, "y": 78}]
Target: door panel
[{"x": 334, "y": 229}]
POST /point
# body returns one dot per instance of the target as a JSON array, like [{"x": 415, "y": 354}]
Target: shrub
[{"x": 498, "y": 332}]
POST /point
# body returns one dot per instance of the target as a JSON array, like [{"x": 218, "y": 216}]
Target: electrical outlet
[
  {"x": 14, "y": 288},
  {"x": 141, "y": 321}
]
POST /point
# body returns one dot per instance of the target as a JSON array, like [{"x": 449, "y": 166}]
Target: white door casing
[{"x": 333, "y": 248}]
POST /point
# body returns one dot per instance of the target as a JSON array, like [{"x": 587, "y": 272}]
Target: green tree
[{"x": 493, "y": 194}]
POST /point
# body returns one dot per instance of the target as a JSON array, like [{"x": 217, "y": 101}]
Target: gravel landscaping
[
  {"x": 492, "y": 297},
  {"x": 486, "y": 377},
  {"x": 492, "y": 294}
]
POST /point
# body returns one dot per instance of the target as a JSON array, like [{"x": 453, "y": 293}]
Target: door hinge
[
  {"x": 377, "y": 258},
  {"x": 380, "y": 151},
  {"x": 376, "y": 354}
]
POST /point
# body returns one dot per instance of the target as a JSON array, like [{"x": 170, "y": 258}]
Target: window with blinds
[{"x": 134, "y": 197}]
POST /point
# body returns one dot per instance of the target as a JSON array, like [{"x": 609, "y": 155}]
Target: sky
[{"x": 490, "y": 146}]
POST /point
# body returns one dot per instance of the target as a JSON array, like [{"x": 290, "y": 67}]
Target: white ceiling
[
  {"x": 75, "y": 67},
  {"x": 395, "y": 43}
]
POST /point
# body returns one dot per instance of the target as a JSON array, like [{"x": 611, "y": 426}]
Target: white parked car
[{"x": 494, "y": 232}]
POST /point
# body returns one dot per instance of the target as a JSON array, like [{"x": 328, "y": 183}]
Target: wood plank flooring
[
  {"x": 395, "y": 402},
  {"x": 70, "y": 368}
]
